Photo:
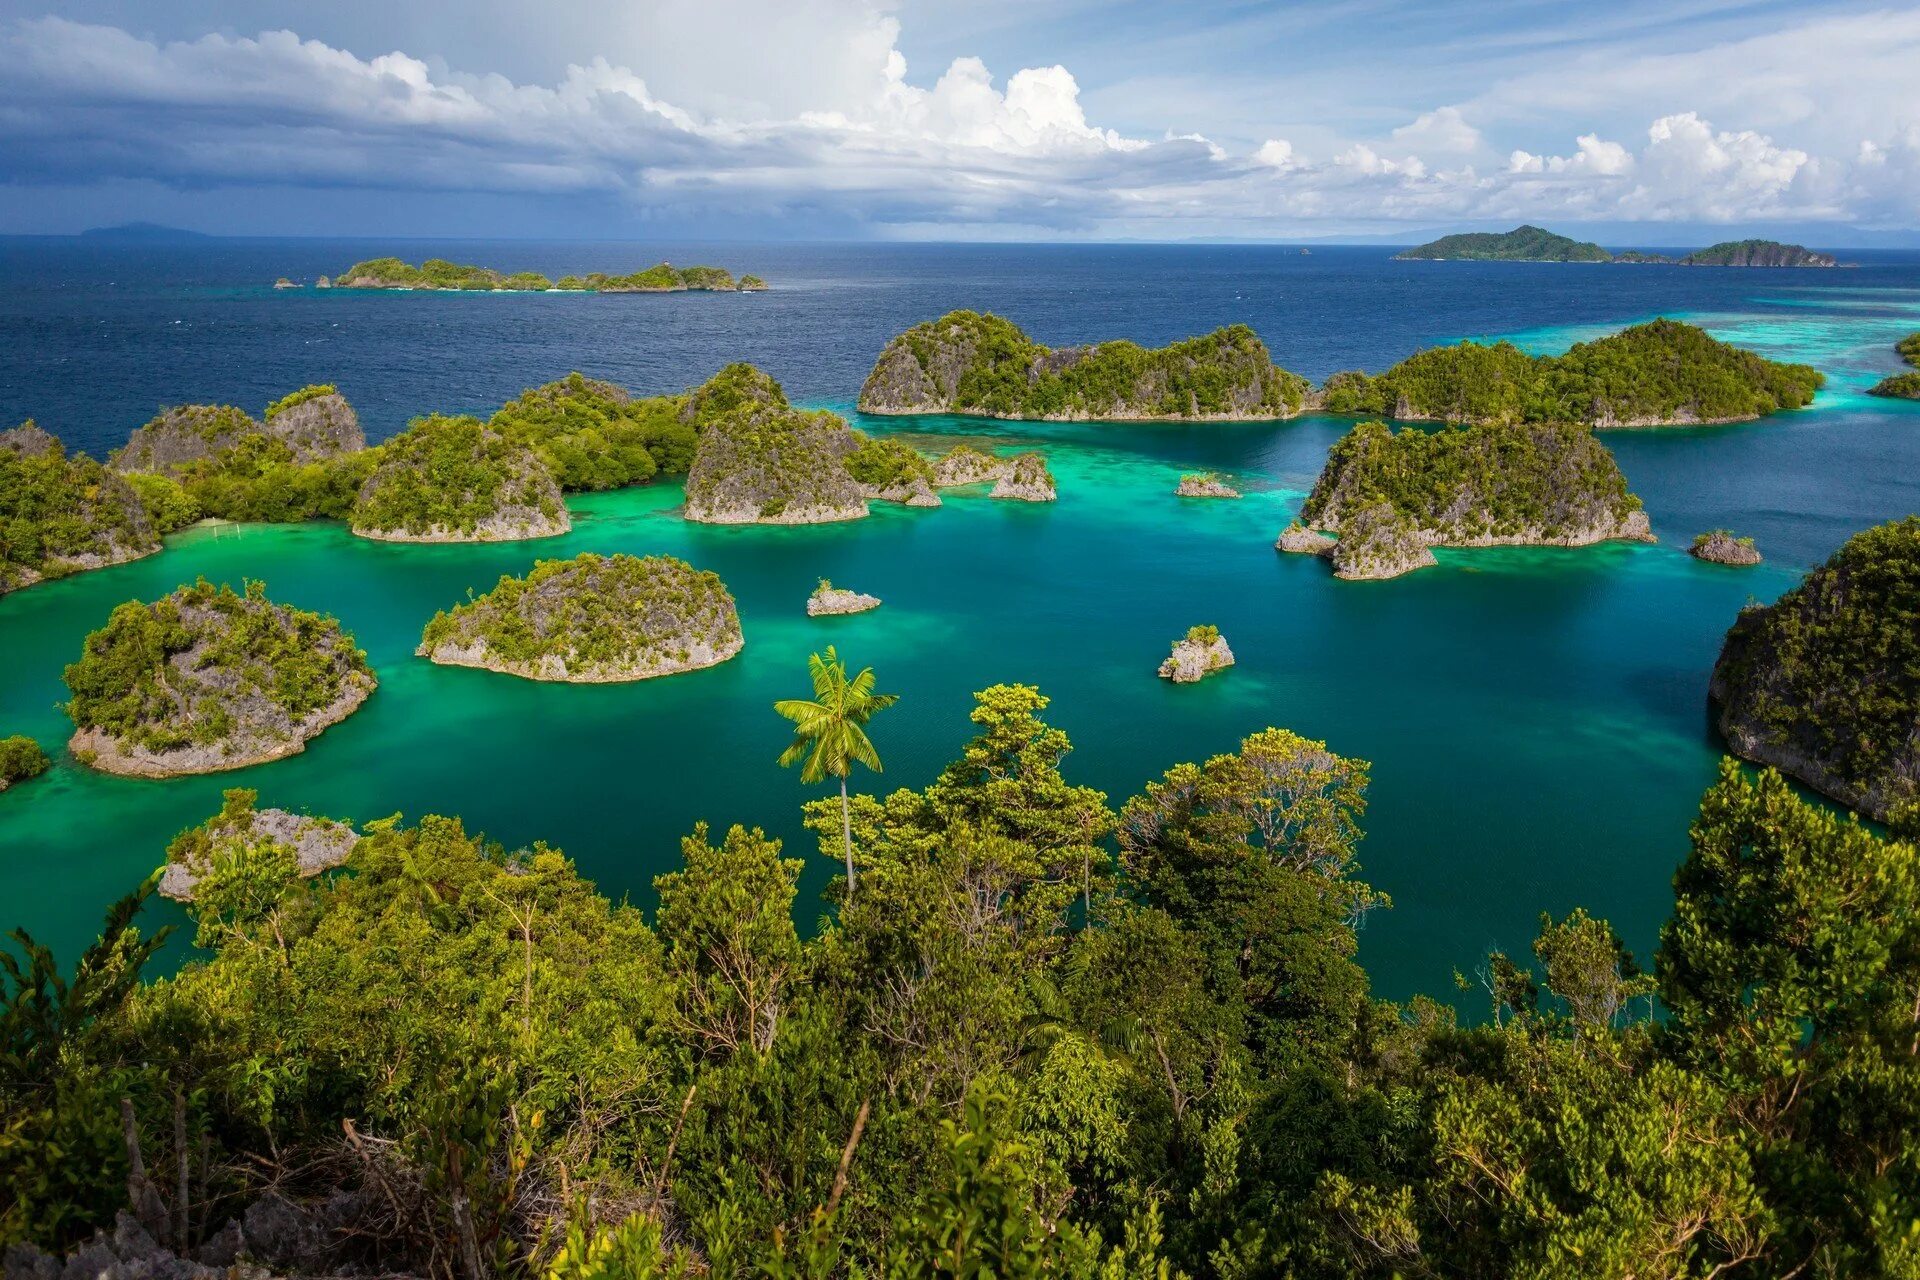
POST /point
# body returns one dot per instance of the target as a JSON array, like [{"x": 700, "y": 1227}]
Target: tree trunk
[
  {"x": 144, "y": 1196},
  {"x": 846, "y": 832}
]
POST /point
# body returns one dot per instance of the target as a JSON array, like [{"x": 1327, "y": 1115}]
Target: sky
[{"x": 1657, "y": 121}]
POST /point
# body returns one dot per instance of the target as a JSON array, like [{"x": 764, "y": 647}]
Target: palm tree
[{"x": 828, "y": 734}]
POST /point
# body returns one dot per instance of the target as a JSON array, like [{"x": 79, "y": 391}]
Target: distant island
[
  {"x": 440, "y": 274},
  {"x": 1535, "y": 244},
  {"x": 592, "y": 620},
  {"x": 983, "y": 365},
  {"x": 1824, "y": 684},
  {"x": 1662, "y": 373},
  {"x": 1390, "y": 495},
  {"x": 144, "y": 233},
  {"x": 1902, "y": 386}
]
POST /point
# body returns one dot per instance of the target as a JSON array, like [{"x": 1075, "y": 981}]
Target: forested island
[
  {"x": 592, "y": 620},
  {"x": 1902, "y": 386},
  {"x": 1824, "y": 683},
  {"x": 1662, "y": 373},
  {"x": 21, "y": 758},
  {"x": 207, "y": 679},
  {"x": 1533, "y": 244},
  {"x": 1390, "y": 496},
  {"x": 458, "y": 480},
  {"x": 774, "y": 465},
  {"x": 1048, "y": 1036},
  {"x": 62, "y": 514},
  {"x": 438, "y": 273},
  {"x": 983, "y": 365}
]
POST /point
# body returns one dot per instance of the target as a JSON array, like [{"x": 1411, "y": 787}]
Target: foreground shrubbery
[{"x": 1046, "y": 1038}]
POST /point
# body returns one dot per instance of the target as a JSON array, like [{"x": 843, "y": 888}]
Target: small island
[
  {"x": 1522, "y": 244},
  {"x": 774, "y": 465},
  {"x": 1196, "y": 655},
  {"x": 1720, "y": 546},
  {"x": 592, "y": 620},
  {"x": 62, "y": 514},
  {"x": 1025, "y": 479},
  {"x": 208, "y": 679},
  {"x": 438, "y": 274},
  {"x": 244, "y": 836},
  {"x": 21, "y": 758},
  {"x": 828, "y": 600},
  {"x": 889, "y": 471},
  {"x": 985, "y": 366},
  {"x": 1204, "y": 485},
  {"x": 457, "y": 480},
  {"x": 1391, "y": 496},
  {"x": 1534, "y": 244},
  {"x": 1824, "y": 684},
  {"x": 964, "y": 465},
  {"x": 1658, "y": 374},
  {"x": 1902, "y": 386}
]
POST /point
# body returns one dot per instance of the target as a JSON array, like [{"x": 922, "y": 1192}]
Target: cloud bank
[{"x": 83, "y": 103}]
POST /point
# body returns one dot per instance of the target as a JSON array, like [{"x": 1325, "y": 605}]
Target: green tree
[{"x": 830, "y": 735}]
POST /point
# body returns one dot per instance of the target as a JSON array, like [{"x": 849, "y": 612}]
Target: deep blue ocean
[{"x": 1536, "y": 718}]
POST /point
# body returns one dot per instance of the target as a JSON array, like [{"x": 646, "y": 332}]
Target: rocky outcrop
[
  {"x": 1196, "y": 655},
  {"x": 316, "y": 845},
  {"x": 273, "y": 1240},
  {"x": 316, "y": 424},
  {"x": 983, "y": 365},
  {"x": 828, "y": 599},
  {"x": 1533, "y": 484},
  {"x": 455, "y": 480},
  {"x": 888, "y": 470},
  {"x": 1297, "y": 539},
  {"x": 178, "y": 437},
  {"x": 592, "y": 620},
  {"x": 1824, "y": 684},
  {"x": 1721, "y": 547},
  {"x": 206, "y": 680},
  {"x": 29, "y": 440},
  {"x": 770, "y": 465},
  {"x": 963, "y": 465},
  {"x": 1378, "y": 542},
  {"x": 1205, "y": 486},
  {"x": 1026, "y": 479}
]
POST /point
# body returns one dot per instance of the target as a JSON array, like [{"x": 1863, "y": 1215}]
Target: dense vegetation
[
  {"x": 1530, "y": 482},
  {"x": 21, "y": 758},
  {"x": 1663, "y": 371},
  {"x": 1522, "y": 244},
  {"x": 1825, "y": 682},
  {"x": 457, "y": 478},
  {"x": 61, "y": 514},
  {"x": 593, "y": 617},
  {"x": 304, "y": 460},
  {"x": 1756, "y": 253},
  {"x": 594, "y": 435},
  {"x": 438, "y": 273},
  {"x": 1902, "y": 386},
  {"x": 774, "y": 464},
  {"x": 966, "y": 362},
  {"x": 1046, "y": 1038},
  {"x": 884, "y": 465},
  {"x": 209, "y": 667}
]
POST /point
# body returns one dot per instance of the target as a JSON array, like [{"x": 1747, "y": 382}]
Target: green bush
[{"x": 21, "y": 758}]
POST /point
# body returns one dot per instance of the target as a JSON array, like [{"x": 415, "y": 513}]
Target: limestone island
[
  {"x": 438, "y": 273},
  {"x": 985, "y": 366},
  {"x": 1719, "y": 546},
  {"x": 1196, "y": 655},
  {"x": 1025, "y": 479},
  {"x": 1391, "y": 496},
  {"x": 1534, "y": 244},
  {"x": 21, "y": 758},
  {"x": 1658, "y": 374},
  {"x": 1522, "y": 244},
  {"x": 208, "y": 679},
  {"x": 1902, "y": 386},
  {"x": 592, "y": 620},
  {"x": 889, "y": 471},
  {"x": 1204, "y": 485},
  {"x": 963, "y": 465},
  {"x": 1824, "y": 684},
  {"x": 62, "y": 514},
  {"x": 828, "y": 600},
  {"x": 247, "y": 838},
  {"x": 305, "y": 458},
  {"x": 449, "y": 479},
  {"x": 774, "y": 465}
]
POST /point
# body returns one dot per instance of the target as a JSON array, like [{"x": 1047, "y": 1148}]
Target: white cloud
[
  {"x": 1275, "y": 153},
  {"x": 1444, "y": 130},
  {"x": 1595, "y": 156}
]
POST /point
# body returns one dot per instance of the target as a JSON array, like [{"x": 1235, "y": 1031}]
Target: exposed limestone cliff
[
  {"x": 1196, "y": 655},
  {"x": 1026, "y": 479},
  {"x": 1721, "y": 547},
  {"x": 61, "y": 515},
  {"x": 828, "y": 599},
  {"x": 774, "y": 466},
  {"x": 1205, "y": 486},
  {"x": 312, "y": 845}
]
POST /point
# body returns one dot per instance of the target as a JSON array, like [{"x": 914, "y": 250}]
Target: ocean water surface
[{"x": 1536, "y": 718}]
